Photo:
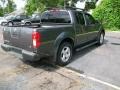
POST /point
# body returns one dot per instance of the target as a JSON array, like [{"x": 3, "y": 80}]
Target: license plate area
[
  {"x": 15, "y": 33},
  {"x": 16, "y": 50}
]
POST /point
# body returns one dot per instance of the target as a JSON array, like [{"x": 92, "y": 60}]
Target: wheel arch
[
  {"x": 28, "y": 22},
  {"x": 69, "y": 40},
  {"x": 10, "y": 22},
  {"x": 102, "y": 30},
  {"x": 64, "y": 37}
]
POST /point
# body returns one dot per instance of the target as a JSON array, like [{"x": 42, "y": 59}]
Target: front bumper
[
  {"x": 26, "y": 55},
  {"x": 4, "y": 23}
]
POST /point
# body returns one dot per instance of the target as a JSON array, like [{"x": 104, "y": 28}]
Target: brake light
[{"x": 36, "y": 38}]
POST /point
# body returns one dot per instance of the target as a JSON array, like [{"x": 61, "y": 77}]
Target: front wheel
[
  {"x": 28, "y": 23},
  {"x": 2, "y": 24},
  {"x": 64, "y": 54},
  {"x": 101, "y": 38},
  {"x": 10, "y": 24}
]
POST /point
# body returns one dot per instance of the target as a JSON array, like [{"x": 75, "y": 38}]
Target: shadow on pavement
[
  {"x": 115, "y": 43},
  {"x": 81, "y": 53},
  {"x": 44, "y": 63}
]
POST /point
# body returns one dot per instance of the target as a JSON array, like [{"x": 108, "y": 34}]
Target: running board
[{"x": 81, "y": 48}]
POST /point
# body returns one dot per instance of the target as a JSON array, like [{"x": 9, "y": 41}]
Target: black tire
[
  {"x": 64, "y": 59},
  {"x": 28, "y": 23},
  {"x": 101, "y": 38},
  {"x": 10, "y": 23},
  {"x": 2, "y": 24}
]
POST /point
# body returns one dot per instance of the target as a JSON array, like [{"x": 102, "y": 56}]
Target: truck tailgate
[{"x": 20, "y": 37}]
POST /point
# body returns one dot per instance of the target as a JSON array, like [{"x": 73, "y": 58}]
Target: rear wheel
[{"x": 64, "y": 54}]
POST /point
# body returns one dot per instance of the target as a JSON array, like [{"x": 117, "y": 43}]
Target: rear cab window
[{"x": 56, "y": 16}]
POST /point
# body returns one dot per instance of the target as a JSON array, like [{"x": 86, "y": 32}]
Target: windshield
[
  {"x": 33, "y": 16},
  {"x": 9, "y": 17},
  {"x": 55, "y": 17}
]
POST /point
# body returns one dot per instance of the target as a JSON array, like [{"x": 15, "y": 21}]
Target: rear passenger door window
[
  {"x": 80, "y": 18},
  {"x": 89, "y": 19}
]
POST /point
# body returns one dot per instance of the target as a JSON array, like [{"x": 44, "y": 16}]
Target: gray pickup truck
[{"x": 60, "y": 32}]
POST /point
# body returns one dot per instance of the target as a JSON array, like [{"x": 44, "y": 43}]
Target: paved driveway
[
  {"x": 97, "y": 67},
  {"x": 101, "y": 63}
]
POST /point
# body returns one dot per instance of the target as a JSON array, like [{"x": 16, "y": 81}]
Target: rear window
[{"x": 55, "y": 17}]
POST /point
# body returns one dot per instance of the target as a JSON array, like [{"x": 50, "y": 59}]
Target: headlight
[{"x": 22, "y": 21}]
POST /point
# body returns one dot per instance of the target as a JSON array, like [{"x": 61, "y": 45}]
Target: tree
[
  {"x": 109, "y": 13},
  {"x": 2, "y": 8},
  {"x": 1, "y": 11},
  {"x": 10, "y": 7},
  {"x": 40, "y": 5}
]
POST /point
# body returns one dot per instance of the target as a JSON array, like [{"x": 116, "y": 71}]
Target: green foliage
[
  {"x": 90, "y": 5},
  {"x": 109, "y": 13},
  {"x": 1, "y": 11},
  {"x": 40, "y": 5},
  {"x": 10, "y": 7}
]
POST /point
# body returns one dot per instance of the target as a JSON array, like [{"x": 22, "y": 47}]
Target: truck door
[
  {"x": 80, "y": 28},
  {"x": 91, "y": 27},
  {"x": 17, "y": 19}
]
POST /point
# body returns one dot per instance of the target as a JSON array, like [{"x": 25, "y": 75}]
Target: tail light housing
[{"x": 36, "y": 39}]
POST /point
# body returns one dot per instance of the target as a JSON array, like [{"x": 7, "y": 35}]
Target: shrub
[{"x": 109, "y": 13}]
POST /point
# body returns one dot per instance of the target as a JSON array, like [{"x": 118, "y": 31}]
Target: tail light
[{"x": 36, "y": 38}]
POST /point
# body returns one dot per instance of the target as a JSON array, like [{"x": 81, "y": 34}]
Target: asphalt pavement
[
  {"x": 101, "y": 63},
  {"x": 94, "y": 68}
]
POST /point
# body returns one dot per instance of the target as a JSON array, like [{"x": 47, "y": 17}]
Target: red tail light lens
[{"x": 36, "y": 38}]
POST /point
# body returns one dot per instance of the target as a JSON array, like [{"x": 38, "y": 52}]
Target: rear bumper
[{"x": 26, "y": 55}]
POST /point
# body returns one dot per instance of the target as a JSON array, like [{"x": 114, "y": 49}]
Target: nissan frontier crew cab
[{"x": 59, "y": 33}]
